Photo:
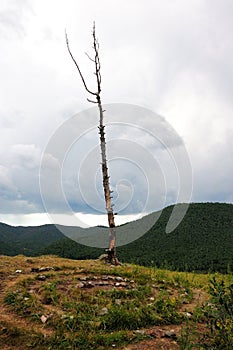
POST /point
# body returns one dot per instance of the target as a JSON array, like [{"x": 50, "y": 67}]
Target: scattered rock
[
  {"x": 103, "y": 311},
  {"x": 103, "y": 257},
  {"x": 102, "y": 283},
  {"x": 44, "y": 319},
  {"x": 85, "y": 284},
  {"x": 105, "y": 278},
  {"x": 119, "y": 279},
  {"x": 42, "y": 269},
  {"x": 41, "y": 277},
  {"x": 140, "y": 331},
  {"x": 18, "y": 271},
  {"x": 188, "y": 314},
  {"x": 170, "y": 334},
  {"x": 121, "y": 284},
  {"x": 90, "y": 284}
]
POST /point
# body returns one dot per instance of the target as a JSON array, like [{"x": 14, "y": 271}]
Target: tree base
[{"x": 111, "y": 257}]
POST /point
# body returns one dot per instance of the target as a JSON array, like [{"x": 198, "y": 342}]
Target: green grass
[{"x": 148, "y": 297}]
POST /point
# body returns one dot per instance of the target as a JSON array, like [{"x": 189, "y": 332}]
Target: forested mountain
[
  {"x": 27, "y": 240},
  {"x": 202, "y": 242}
]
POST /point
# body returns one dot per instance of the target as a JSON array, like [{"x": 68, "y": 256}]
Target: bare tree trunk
[
  {"x": 107, "y": 192},
  {"x": 112, "y": 257}
]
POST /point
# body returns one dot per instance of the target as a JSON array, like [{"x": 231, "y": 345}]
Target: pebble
[
  {"x": 41, "y": 277},
  {"x": 170, "y": 334},
  {"x": 44, "y": 319},
  {"x": 103, "y": 311}
]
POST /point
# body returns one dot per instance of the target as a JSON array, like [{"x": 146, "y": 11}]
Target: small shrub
[{"x": 219, "y": 315}]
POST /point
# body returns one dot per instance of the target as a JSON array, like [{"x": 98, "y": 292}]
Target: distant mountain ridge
[
  {"x": 202, "y": 242},
  {"x": 27, "y": 240}
]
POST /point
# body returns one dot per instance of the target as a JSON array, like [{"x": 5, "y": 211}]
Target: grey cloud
[
  {"x": 19, "y": 180},
  {"x": 174, "y": 57}
]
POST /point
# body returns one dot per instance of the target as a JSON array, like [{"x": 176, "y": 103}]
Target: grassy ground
[{"x": 53, "y": 303}]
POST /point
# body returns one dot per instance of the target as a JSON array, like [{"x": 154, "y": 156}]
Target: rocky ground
[{"x": 54, "y": 303}]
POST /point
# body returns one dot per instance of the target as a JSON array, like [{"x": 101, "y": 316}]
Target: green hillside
[
  {"x": 27, "y": 240},
  {"x": 202, "y": 242}
]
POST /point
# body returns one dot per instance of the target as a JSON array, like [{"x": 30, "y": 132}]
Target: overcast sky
[{"x": 174, "y": 58}]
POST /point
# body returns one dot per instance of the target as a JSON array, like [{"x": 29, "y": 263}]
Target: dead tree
[{"x": 111, "y": 251}]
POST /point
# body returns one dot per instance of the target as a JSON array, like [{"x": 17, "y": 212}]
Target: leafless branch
[
  {"x": 91, "y": 101},
  {"x": 77, "y": 66},
  {"x": 97, "y": 60},
  {"x": 91, "y": 59}
]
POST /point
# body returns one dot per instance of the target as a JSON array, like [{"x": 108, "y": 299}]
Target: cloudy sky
[{"x": 172, "y": 59}]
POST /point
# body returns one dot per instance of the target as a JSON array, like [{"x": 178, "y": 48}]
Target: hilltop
[{"x": 54, "y": 303}]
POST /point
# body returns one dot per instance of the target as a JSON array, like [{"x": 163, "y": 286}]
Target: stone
[
  {"x": 18, "y": 271},
  {"x": 80, "y": 285},
  {"x": 119, "y": 279},
  {"x": 102, "y": 283},
  {"x": 170, "y": 334},
  {"x": 105, "y": 277},
  {"x": 103, "y": 311},
  {"x": 140, "y": 331},
  {"x": 44, "y": 319},
  {"x": 41, "y": 277},
  {"x": 46, "y": 268},
  {"x": 121, "y": 284},
  {"x": 103, "y": 257},
  {"x": 90, "y": 284}
]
